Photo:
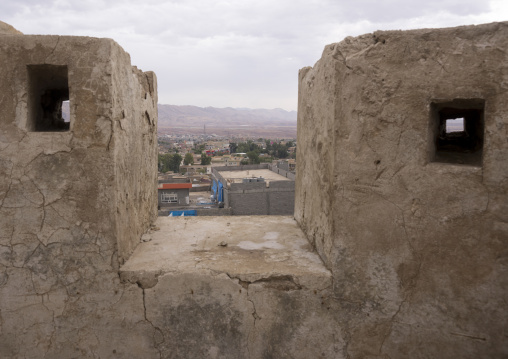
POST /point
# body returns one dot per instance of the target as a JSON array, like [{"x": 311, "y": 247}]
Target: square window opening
[
  {"x": 456, "y": 131},
  {"x": 66, "y": 111},
  {"x": 48, "y": 98},
  {"x": 454, "y": 125},
  {"x": 169, "y": 198}
]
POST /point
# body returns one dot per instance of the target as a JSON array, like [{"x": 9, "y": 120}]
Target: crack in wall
[
  {"x": 389, "y": 330},
  {"x": 156, "y": 329},
  {"x": 279, "y": 282},
  {"x": 469, "y": 336},
  {"x": 256, "y": 318},
  {"x": 52, "y": 51}
]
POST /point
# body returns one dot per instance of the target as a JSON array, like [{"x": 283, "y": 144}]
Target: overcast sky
[{"x": 235, "y": 53}]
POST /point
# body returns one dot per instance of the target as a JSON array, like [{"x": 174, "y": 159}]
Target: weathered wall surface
[
  {"x": 418, "y": 249},
  {"x": 211, "y": 315},
  {"x": 134, "y": 114},
  {"x": 60, "y": 294},
  {"x": 261, "y": 294}
]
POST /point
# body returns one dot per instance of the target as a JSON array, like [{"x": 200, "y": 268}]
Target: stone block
[{"x": 235, "y": 287}]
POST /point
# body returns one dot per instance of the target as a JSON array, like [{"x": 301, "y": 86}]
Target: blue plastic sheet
[
  {"x": 190, "y": 212},
  {"x": 214, "y": 188},
  {"x": 220, "y": 194}
]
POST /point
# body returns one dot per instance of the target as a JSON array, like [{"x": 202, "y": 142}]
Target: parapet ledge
[{"x": 268, "y": 250}]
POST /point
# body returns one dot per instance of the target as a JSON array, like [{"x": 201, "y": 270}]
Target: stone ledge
[
  {"x": 234, "y": 287},
  {"x": 249, "y": 248}
]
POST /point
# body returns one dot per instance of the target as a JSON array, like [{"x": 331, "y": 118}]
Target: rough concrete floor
[{"x": 249, "y": 248}]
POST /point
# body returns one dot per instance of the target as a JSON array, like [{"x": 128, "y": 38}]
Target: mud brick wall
[{"x": 412, "y": 220}]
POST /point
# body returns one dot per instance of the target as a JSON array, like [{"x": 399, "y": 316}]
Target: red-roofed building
[{"x": 174, "y": 192}]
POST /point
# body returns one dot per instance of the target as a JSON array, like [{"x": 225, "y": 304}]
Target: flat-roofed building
[
  {"x": 254, "y": 189},
  {"x": 174, "y": 192}
]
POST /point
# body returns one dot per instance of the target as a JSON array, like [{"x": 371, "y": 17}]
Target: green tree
[
  {"x": 253, "y": 157},
  {"x": 198, "y": 149},
  {"x": 282, "y": 152},
  {"x": 205, "y": 160},
  {"x": 245, "y": 147},
  {"x": 268, "y": 144},
  {"x": 164, "y": 162},
  {"x": 188, "y": 159},
  {"x": 176, "y": 160},
  {"x": 232, "y": 147}
]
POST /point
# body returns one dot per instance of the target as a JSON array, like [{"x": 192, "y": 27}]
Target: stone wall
[
  {"x": 72, "y": 202},
  {"x": 413, "y": 231},
  {"x": 134, "y": 112}
]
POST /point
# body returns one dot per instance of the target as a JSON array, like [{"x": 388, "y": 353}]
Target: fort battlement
[{"x": 397, "y": 248}]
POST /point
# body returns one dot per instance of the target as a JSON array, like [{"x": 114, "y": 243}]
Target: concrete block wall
[
  {"x": 282, "y": 197},
  {"x": 282, "y": 202},
  {"x": 249, "y": 187},
  {"x": 214, "y": 212},
  {"x": 250, "y": 203},
  {"x": 257, "y": 199},
  {"x": 284, "y": 173},
  {"x": 282, "y": 185}
]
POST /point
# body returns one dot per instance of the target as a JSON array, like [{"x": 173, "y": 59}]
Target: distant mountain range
[
  {"x": 179, "y": 120},
  {"x": 227, "y": 121}
]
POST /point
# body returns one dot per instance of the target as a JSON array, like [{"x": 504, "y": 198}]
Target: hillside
[
  {"x": 227, "y": 121},
  {"x": 276, "y": 123}
]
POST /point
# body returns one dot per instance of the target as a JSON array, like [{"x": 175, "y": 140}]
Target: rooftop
[{"x": 237, "y": 176}]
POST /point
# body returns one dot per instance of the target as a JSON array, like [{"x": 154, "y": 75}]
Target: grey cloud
[{"x": 245, "y": 51}]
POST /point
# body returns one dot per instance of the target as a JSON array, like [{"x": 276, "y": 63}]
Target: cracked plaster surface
[
  {"x": 60, "y": 294},
  {"x": 416, "y": 249},
  {"x": 211, "y": 295},
  {"x": 412, "y": 244}
]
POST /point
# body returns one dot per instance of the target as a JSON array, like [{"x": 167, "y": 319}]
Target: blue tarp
[
  {"x": 219, "y": 196},
  {"x": 214, "y": 189},
  {"x": 217, "y": 190},
  {"x": 190, "y": 212}
]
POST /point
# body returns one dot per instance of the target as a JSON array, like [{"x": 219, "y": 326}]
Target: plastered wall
[
  {"x": 72, "y": 204},
  {"x": 418, "y": 248}
]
